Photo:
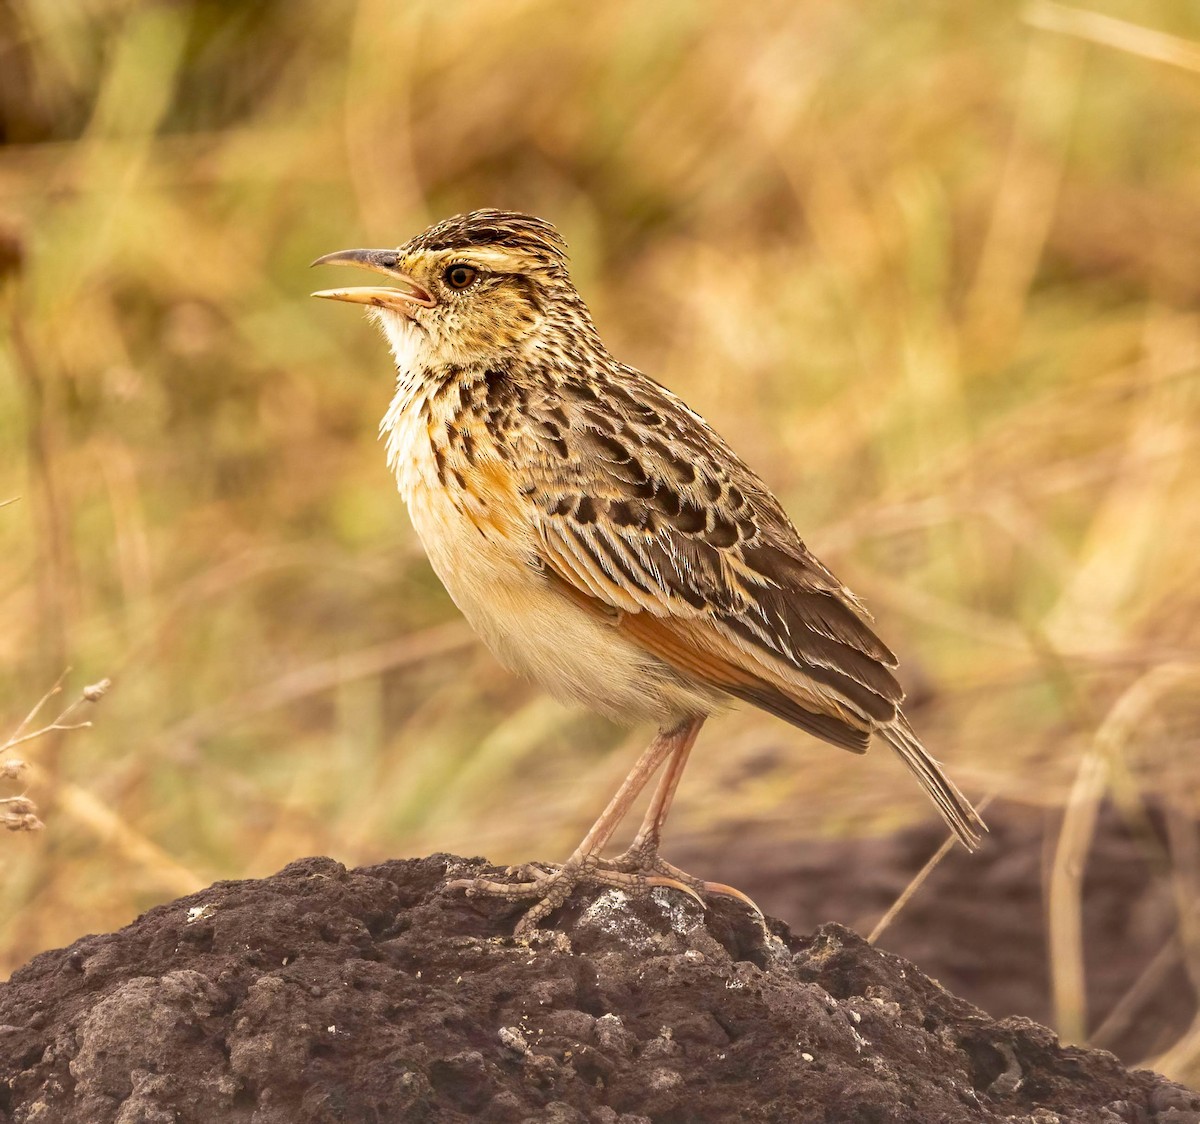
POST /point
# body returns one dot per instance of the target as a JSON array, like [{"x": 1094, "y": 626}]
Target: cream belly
[{"x": 536, "y": 631}]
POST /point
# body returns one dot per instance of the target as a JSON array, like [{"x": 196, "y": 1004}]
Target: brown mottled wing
[{"x": 643, "y": 509}]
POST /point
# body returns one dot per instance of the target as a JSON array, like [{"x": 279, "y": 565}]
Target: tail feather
[{"x": 954, "y": 807}]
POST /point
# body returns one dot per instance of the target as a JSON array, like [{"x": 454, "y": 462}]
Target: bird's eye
[{"x": 460, "y": 276}]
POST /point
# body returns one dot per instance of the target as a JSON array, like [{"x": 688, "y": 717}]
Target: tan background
[{"x": 931, "y": 268}]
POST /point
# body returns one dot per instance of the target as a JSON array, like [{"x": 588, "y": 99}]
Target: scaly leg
[
  {"x": 554, "y": 887},
  {"x": 645, "y": 843},
  {"x": 642, "y": 854}
]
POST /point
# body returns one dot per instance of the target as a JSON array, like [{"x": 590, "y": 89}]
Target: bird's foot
[
  {"x": 644, "y": 859},
  {"x": 552, "y": 884},
  {"x": 637, "y": 871}
]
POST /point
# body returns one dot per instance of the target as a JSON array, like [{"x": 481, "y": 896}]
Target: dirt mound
[
  {"x": 373, "y": 995},
  {"x": 978, "y": 925}
]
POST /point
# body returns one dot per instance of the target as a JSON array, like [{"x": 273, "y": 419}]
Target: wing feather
[
  {"x": 659, "y": 519},
  {"x": 650, "y": 521}
]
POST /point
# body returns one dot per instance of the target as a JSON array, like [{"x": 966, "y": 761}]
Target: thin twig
[
  {"x": 1121, "y": 35},
  {"x": 1105, "y": 1035},
  {"x": 56, "y": 689},
  {"x": 19, "y": 812},
  {"x": 12, "y": 743},
  {"x": 1065, "y": 915},
  {"x": 918, "y": 879},
  {"x": 1065, "y": 912}
]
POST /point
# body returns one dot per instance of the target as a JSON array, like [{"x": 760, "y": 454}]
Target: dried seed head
[
  {"x": 19, "y": 813},
  {"x": 94, "y": 692},
  {"x": 11, "y": 768},
  {"x": 18, "y": 805},
  {"x": 14, "y": 821}
]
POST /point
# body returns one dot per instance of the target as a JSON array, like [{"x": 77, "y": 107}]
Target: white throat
[
  {"x": 408, "y": 343},
  {"x": 400, "y": 427}
]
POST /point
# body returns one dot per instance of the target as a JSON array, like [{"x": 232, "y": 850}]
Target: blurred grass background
[{"x": 932, "y": 269}]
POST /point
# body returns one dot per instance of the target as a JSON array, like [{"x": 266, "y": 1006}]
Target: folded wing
[{"x": 649, "y": 518}]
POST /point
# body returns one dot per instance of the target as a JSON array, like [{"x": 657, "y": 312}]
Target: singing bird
[{"x": 603, "y": 539}]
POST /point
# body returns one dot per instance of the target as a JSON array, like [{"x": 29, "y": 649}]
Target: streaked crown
[{"x": 492, "y": 228}]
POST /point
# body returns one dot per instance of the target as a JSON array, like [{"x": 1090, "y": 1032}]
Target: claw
[
  {"x": 649, "y": 861},
  {"x": 732, "y": 892},
  {"x": 675, "y": 884}
]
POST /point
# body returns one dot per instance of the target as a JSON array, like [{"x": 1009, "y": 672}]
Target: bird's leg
[
  {"x": 641, "y": 856},
  {"x": 642, "y": 853},
  {"x": 554, "y": 887}
]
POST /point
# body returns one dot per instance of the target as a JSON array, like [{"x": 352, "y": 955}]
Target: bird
[{"x": 604, "y": 541}]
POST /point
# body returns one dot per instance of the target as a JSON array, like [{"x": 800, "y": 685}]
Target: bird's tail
[{"x": 955, "y": 808}]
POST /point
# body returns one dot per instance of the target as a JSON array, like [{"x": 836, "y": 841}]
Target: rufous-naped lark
[{"x": 603, "y": 539}]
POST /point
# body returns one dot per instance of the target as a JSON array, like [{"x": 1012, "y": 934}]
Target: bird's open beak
[{"x": 401, "y": 297}]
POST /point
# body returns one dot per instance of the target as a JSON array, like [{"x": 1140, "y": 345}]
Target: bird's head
[{"x": 473, "y": 289}]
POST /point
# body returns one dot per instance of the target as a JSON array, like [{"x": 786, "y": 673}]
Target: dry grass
[
  {"x": 933, "y": 270},
  {"x": 19, "y": 813}
]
